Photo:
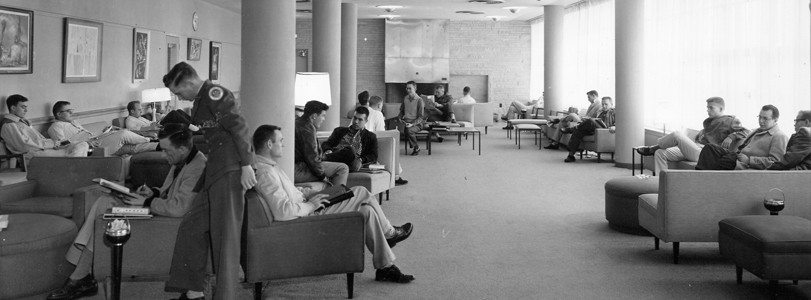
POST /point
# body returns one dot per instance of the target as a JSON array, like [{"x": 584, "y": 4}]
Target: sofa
[{"x": 690, "y": 203}]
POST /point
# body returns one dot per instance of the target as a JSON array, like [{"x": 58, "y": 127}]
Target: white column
[
  {"x": 269, "y": 67},
  {"x": 553, "y": 58},
  {"x": 349, "y": 57},
  {"x": 630, "y": 78},
  {"x": 327, "y": 53}
]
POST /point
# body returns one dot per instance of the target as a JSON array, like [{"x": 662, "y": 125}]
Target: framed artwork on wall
[
  {"x": 81, "y": 59},
  {"x": 194, "y": 49},
  {"x": 140, "y": 54},
  {"x": 16, "y": 41},
  {"x": 214, "y": 62}
]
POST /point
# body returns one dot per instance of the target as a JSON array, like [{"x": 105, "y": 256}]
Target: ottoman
[
  {"x": 32, "y": 254},
  {"x": 770, "y": 247},
  {"x": 621, "y": 202}
]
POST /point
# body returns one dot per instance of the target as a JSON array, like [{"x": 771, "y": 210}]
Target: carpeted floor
[{"x": 518, "y": 224}]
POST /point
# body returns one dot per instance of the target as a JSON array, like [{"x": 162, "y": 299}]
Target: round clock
[{"x": 195, "y": 21}]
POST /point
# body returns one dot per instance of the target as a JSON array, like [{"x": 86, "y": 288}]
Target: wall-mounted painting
[
  {"x": 194, "y": 49},
  {"x": 16, "y": 41},
  {"x": 214, "y": 63},
  {"x": 140, "y": 55},
  {"x": 81, "y": 60}
]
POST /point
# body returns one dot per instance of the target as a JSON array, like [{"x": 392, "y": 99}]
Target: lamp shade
[
  {"x": 156, "y": 95},
  {"x": 313, "y": 86}
]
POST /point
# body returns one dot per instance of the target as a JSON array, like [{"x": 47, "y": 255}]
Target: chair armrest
[
  {"x": 604, "y": 140},
  {"x": 17, "y": 191},
  {"x": 83, "y": 200}
]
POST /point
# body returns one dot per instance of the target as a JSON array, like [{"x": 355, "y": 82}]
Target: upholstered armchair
[
  {"x": 387, "y": 155},
  {"x": 309, "y": 246},
  {"x": 603, "y": 141},
  {"x": 59, "y": 186},
  {"x": 464, "y": 114}
]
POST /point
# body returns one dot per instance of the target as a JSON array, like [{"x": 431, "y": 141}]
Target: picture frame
[
  {"x": 82, "y": 50},
  {"x": 194, "y": 49},
  {"x": 140, "y": 55},
  {"x": 215, "y": 57},
  {"x": 18, "y": 58}
]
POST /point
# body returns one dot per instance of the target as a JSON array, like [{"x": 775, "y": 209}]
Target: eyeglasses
[{"x": 764, "y": 118}]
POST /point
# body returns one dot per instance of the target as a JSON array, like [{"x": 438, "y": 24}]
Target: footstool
[
  {"x": 32, "y": 254},
  {"x": 770, "y": 247},
  {"x": 621, "y": 202}
]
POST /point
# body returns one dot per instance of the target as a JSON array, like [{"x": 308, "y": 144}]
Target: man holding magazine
[{"x": 173, "y": 199}]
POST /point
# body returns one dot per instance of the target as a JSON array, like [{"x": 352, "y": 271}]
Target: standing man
[
  {"x": 309, "y": 162},
  {"x": 215, "y": 218},
  {"x": 412, "y": 116}
]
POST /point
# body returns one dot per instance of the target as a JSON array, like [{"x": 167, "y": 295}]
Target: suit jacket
[
  {"x": 175, "y": 197},
  {"x": 798, "y": 152},
  {"x": 368, "y": 141},
  {"x": 306, "y": 149}
]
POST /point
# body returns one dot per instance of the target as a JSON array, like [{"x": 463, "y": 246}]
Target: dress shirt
[
  {"x": 135, "y": 123},
  {"x": 376, "y": 122},
  {"x": 20, "y": 137},
  {"x": 61, "y": 130},
  {"x": 280, "y": 197}
]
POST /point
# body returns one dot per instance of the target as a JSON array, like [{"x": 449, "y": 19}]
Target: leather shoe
[
  {"x": 552, "y": 146},
  {"x": 392, "y": 274},
  {"x": 415, "y": 152},
  {"x": 569, "y": 159},
  {"x": 74, "y": 289},
  {"x": 400, "y": 233},
  {"x": 440, "y": 139},
  {"x": 508, "y": 127},
  {"x": 400, "y": 181},
  {"x": 647, "y": 151},
  {"x": 184, "y": 297}
]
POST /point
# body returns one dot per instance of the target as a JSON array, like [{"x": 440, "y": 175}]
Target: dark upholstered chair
[
  {"x": 311, "y": 246},
  {"x": 60, "y": 186}
]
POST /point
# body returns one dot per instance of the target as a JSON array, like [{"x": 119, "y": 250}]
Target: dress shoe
[
  {"x": 647, "y": 151},
  {"x": 400, "y": 181},
  {"x": 508, "y": 127},
  {"x": 184, "y": 297},
  {"x": 440, "y": 139},
  {"x": 400, "y": 233},
  {"x": 393, "y": 274},
  {"x": 415, "y": 152},
  {"x": 552, "y": 146},
  {"x": 74, "y": 289},
  {"x": 569, "y": 159}
]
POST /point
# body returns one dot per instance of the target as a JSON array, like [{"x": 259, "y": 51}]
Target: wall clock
[{"x": 195, "y": 21}]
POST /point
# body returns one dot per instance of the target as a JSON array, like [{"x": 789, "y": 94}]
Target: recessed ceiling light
[
  {"x": 514, "y": 9},
  {"x": 389, "y": 8},
  {"x": 488, "y": 1},
  {"x": 470, "y": 12}
]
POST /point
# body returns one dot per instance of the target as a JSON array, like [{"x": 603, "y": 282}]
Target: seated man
[
  {"x": 762, "y": 148},
  {"x": 117, "y": 142},
  {"x": 719, "y": 129},
  {"x": 135, "y": 121},
  {"x": 353, "y": 146},
  {"x": 798, "y": 149},
  {"x": 568, "y": 123},
  {"x": 375, "y": 111},
  {"x": 439, "y": 108},
  {"x": 412, "y": 116},
  {"x": 309, "y": 166},
  {"x": 288, "y": 203},
  {"x": 173, "y": 199},
  {"x": 516, "y": 108},
  {"x": 588, "y": 126},
  {"x": 21, "y": 138},
  {"x": 466, "y": 98}
]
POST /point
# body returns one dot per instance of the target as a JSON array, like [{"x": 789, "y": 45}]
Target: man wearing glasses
[
  {"x": 117, "y": 142},
  {"x": 764, "y": 146},
  {"x": 798, "y": 150}
]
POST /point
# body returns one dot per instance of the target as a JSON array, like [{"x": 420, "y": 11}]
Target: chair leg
[
  {"x": 380, "y": 199},
  {"x": 675, "y": 253},
  {"x": 257, "y": 291},
  {"x": 655, "y": 243},
  {"x": 739, "y": 274},
  {"x": 598, "y": 157},
  {"x": 350, "y": 284},
  {"x": 387, "y": 195}
]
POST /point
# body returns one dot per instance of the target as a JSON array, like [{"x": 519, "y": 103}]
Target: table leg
[
  {"x": 118, "y": 254},
  {"x": 633, "y": 162},
  {"x": 480, "y": 141},
  {"x": 428, "y": 141},
  {"x": 459, "y": 138}
]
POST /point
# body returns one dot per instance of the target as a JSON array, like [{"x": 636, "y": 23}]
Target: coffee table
[
  {"x": 436, "y": 128},
  {"x": 465, "y": 130}
]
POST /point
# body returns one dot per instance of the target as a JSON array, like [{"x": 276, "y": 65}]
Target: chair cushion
[
  {"x": 60, "y": 206},
  {"x": 529, "y": 121},
  {"x": 527, "y": 127},
  {"x": 648, "y": 202},
  {"x": 632, "y": 186},
  {"x": 34, "y": 232},
  {"x": 769, "y": 234},
  {"x": 374, "y": 182}
]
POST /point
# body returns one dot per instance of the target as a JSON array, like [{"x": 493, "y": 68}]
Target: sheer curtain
[
  {"x": 536, "y": 59},
  {"x": 589, "y": 51},
  {"x": 750, "y": 52}
]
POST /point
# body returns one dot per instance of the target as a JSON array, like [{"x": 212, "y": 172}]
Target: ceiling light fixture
[
  {"x": 488, "y": 1},
  {"x": 390, "y": 17},
  {"x": 389, "y": 8},
  {"x": 494, "y": 18},
  {"x": 514, "y": 9},
  {"x": 470, "y": 12}
]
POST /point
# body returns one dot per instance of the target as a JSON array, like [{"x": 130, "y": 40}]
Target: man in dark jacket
[
  {"x": 353, "y": 145},
  {"x": 798, "y": 149},
  {"x": 309, "y": 165}
]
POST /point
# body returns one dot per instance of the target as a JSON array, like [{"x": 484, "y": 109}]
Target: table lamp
[
  {"x": 157, "y": 96},
  {"x": 312, "y": 86}
]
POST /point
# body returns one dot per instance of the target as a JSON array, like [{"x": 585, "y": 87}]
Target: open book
[
  {"x": 115, "y": 187},
  {"x": 337, "y": 194}
]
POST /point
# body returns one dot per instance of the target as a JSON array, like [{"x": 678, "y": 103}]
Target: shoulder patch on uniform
[{"x": 215, "y": 93}]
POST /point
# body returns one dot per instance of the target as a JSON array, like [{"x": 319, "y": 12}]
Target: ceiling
[{"x": 430, "y": 9}]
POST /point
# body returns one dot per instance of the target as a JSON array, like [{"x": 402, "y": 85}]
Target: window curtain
[
  {"x": 750, "y": 52},
  {"x": 589, "y": 51},
  {"x": 536, "y": 59}
]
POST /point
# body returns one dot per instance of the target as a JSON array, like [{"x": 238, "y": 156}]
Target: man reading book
[
  {"x": 173, "y": 199},
  {"x": 353, "y": 145},
  {"x": 286, "y": 203}
]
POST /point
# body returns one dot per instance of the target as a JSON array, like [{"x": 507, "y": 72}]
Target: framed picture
[
  {"x": 140, "y": 54},
  {"x": 16, "y": 41},
  {"x": 214, "y": 62},
  {"x": 194, "y": 49},
  {"x": 81, "y": 60}
]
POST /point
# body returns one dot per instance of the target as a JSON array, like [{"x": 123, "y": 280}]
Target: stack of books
[
  {"x": 127, "y": 213},
  {"x": 373, "y": 168}
]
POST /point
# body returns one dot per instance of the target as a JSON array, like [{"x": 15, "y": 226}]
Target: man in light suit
[{"x": 173, "y": 199}]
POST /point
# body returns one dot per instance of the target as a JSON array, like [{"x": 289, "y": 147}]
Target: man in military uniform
[{"x": 219, "y": 205}]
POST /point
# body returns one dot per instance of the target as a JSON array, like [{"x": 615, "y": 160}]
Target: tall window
[
  {"x": 588, "y": 35},
  {"x": 750, "y": 52}
]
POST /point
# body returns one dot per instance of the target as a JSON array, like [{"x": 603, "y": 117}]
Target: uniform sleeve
[
  {"x": 181, "y": 200},
  {"x": 56, "y": 132},
  {"x": 777, "y": 148},
  {"x": 18, "y": 142},
  {"x": 233, "y": 122},
  {"x": 281, "y": 204}
]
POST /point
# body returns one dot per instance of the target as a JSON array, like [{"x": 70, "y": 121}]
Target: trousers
[
  {"x": 583, "y": 129},
  {"x": 675, "y": 146},
  {"x": 410, "y": 133},
  {"x": 214, "y": 220}
]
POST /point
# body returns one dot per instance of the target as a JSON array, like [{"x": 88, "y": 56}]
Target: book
[
  {"x": 373, "y": 166},
  {"x": 111, "y": 216},
  {"x": 337, "y": 194},
  {"x": 3, "y": 222},
  {"x": 115, "y": 187}
]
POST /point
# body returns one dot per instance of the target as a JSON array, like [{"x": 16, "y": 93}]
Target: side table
[{"x": 641, "y": 161}]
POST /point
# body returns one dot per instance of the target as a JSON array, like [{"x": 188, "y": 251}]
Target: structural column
[
  {"x": 327, "y": 53},
  {"x": 630, "y": 78},
  {"x": 349, "y": 56},
  {"x": 268, "y": 68},
  {"x": 553, "y": 58}
]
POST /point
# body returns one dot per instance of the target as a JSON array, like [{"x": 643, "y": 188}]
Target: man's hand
[
  {"x": 248, "y": 179},
  {"x": 743, "y": 158},
  {"x": 318, "y": 201},
  {"x": 144, "y": 191},
  {"x": 612, "y": 129},
  {"x": 726, "y": 143}
]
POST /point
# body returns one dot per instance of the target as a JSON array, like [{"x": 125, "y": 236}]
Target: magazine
[{"x": 115, "y": 187}]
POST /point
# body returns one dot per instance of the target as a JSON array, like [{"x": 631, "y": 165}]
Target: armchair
[
  {"x": 465, "y": 114},
  {"x": 387, "y": 155},
  {"x": 60, "y": 186},
  {"x": 603, "y": 141},
  {"x": 309, "y": 246}
]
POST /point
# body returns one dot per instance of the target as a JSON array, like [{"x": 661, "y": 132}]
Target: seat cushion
[
  {"x": 529, "y": 121},
  {"x": 648, "y": 203},
  {"x": 527, "y": 127},
  {"x": 34, "y": 232},
  {"x": 769, "y": 234},
  {"x": 59, "y": 206},
  {"x": 632, "y": 186},
  {"x": 374, "y": 182}
]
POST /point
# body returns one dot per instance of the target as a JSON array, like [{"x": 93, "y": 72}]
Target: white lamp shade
[
  {"x": 313, "y": 86},
  {"x": 156, "y": 95}
]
